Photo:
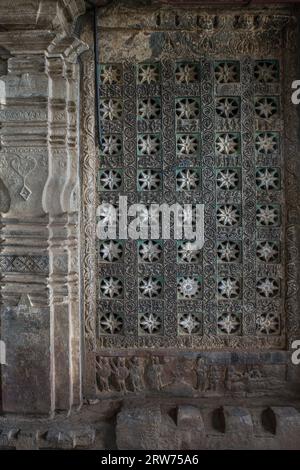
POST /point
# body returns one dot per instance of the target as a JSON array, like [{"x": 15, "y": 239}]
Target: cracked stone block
[
  {"x": 61, "y": 439},
  {"x": 28, "y": 439},
  {"x": 25, "y": 378},
  {"x": 238, "y": 420},
  {"x": 145, "y": 428},
  {"x": 287, "y": 426},
  {"x": 85, "y": 437},
  {"x": 71, "y": 438},
  {"x": 190, "y": 416},
  {"x": 238, "y": 430},
  {"x": 8, "y": 437},
  {"x": 190, "y": 428}
]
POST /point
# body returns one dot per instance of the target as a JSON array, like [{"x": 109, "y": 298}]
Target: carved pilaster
[
  {"x": 39, "y": 96},
  {"x": 62, "y": 206},
  {"x": 24, "y": 262}
]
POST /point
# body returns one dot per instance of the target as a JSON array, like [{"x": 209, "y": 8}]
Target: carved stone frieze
[
  {"x": 175, "y": 32},
  {"x": 191, "y": 376}
]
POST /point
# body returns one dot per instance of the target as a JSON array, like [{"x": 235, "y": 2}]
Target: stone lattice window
[{"x": 203, "y": 132}]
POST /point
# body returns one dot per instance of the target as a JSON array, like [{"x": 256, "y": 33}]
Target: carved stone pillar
[{"x": 39, "y": 96}]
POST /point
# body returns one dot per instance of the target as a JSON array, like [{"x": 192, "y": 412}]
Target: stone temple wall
[{"x": 84, "y": 370}]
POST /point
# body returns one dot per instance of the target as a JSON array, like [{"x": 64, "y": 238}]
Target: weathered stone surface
[
  {"x": 188, "y": 430},
  {"x": 39, "y": 228},
  {"x": 177, "y": 388},
  {"x": 150, "y": 427},
  {"x": 140, "y": 428},
  {"x": 4, "y": 198},
  {"x": 26, "y": 376},
  {"x": 238, "y": 426},
  {"x": 287, "y": 426}
]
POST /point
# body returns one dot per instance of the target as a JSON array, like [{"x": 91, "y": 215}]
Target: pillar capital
[{"x": 34, "y": 27}]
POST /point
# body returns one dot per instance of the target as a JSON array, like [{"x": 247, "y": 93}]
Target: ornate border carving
[
  {"x": 292, "y": 169},
  {"x": 88, "y": 184},
  {"x": 256, "y": 34}
]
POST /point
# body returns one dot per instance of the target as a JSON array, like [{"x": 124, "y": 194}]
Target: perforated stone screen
[{"x": 191, "y": 111}]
